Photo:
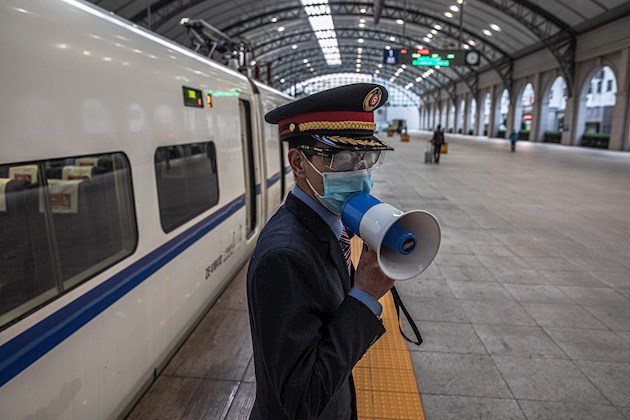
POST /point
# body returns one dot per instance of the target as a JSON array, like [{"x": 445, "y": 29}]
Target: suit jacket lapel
[{"x": 323, "y": 232}]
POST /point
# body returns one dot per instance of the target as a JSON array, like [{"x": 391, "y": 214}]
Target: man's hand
[{"x": 370, "y": 278}]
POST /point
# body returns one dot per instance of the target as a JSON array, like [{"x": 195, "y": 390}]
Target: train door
[{"x": 247, "y": 139}]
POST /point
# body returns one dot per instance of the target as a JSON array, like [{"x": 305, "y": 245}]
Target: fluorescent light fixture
[
  {"x": 454, "y": 8},
  {"x": 495, "y": 27},
  {"x": 400, "y": 21},
  {"x": 274, "y": 20},
  {"x": 427, "y": 40},
  {"x": 281, "y": 29},
  {"x": 434, "y": 31},
  {"x": 362, "y": 10},
  {"x": 305, "y": 60},
  {"x": 487, "y": 32},
  {"x": 361, "y": 25},
  {"x": 294, "y": 47},
  {"x": 448, "y": 14},
  {"x": 392, "y": 38},
  {"x": 360, "y": 40},
  {"x": 429, "y": 36},
  {"x": 361, "y": 20},
  {"x": 438, "y": 27},
  {"x": 387, "y": 47},
  {"x": 471, "y": 42}
]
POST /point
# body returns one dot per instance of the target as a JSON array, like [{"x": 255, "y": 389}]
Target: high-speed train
[{"x": 135, "y": 176}]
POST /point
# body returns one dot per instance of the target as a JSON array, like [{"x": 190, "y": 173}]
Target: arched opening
[
  {"x": 472, "y": 117},
  {"x": 597, "y": 104},
  {"x": 554, "y": 104},
  {"x": 524, "y": 112},
  {"x": 451, "y": 118},
  {"x": 485, "y": 115},
  {"x": 460, "y": 116},
  {"x": 501, "y": 113}
]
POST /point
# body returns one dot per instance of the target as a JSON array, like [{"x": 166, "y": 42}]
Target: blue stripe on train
[{"x": 26, "y": 348}]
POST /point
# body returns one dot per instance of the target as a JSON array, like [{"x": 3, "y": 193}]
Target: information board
[{"x": 429, "y": 57}]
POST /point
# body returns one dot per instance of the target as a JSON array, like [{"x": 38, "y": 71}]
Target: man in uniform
[{"x": 312, "y": 316}]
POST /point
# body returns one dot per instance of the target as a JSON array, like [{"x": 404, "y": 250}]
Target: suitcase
[{"x": 428, "y": 155}]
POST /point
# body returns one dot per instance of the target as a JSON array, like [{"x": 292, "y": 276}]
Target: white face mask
[{"x": 338, "y": 186}]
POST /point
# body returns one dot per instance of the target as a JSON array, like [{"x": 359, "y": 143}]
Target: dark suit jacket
[{"x": 307, "y": 333}]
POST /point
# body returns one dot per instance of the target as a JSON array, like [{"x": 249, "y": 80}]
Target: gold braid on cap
[
  {"x": 337, "y": 125},
  {"x": 356, "y": 142}
]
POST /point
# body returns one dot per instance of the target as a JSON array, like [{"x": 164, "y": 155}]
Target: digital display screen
[
  {"x": 192, "y": 97},
  {"x": 425, "y": 57}
]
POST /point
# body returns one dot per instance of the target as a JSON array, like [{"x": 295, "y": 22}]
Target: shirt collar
[{"x": 331, "y": 219}]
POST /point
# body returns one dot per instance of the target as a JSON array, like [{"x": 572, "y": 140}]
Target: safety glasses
[{"x": 346, "y": 160}]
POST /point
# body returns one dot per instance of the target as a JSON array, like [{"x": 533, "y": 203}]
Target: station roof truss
[{"x": 277, "y": 33}]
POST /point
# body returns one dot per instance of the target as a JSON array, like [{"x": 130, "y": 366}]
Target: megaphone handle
[{"x": 399, "y": 305}]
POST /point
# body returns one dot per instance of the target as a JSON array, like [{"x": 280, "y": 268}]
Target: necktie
[{"x": 345, "y": 248}]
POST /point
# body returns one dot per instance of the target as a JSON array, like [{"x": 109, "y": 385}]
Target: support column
[
  {"x": 511, "y": 115},
  {"x": 478, "y": 123},
  {"x": 619, "y": 132},
  {"x": 538, "y": 96},
  {"x": 493, "y": 111},
  {"x": 466, "y": 112},
  {"x": 456, "y": 117}
]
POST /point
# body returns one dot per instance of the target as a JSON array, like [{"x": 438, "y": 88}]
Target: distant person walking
[
  {"x": 513, "y": 140},
  {"x": 437, "y": 141}
]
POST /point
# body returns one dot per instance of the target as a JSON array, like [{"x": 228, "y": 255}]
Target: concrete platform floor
[{"x": 525, "y": 312}]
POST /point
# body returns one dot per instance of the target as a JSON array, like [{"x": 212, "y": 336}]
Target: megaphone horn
[{"x": 405, "y": 242}]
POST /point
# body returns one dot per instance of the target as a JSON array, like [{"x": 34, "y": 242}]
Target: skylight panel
[{"x": 321, "y": 22}]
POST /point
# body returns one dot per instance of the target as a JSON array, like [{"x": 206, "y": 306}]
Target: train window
[
  {"x": 62, "y": 222},
  {"x": 187, "y": 182}
]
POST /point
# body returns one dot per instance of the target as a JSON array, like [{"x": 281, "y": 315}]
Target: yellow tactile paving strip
[{"x": 384, "y": 378}]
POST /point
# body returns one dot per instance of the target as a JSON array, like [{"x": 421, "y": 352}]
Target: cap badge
[
  {"x": 292, "y": 127},
  {"x": 372, "y": 99}
]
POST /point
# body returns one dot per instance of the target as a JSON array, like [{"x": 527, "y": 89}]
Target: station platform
[{"x": 525, "y": 312}]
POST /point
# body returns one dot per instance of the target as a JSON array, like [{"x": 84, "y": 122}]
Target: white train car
[{"x": 135, "y": 176}]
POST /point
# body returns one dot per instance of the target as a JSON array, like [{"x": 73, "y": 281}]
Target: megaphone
[{"x": 405, "y": 242}]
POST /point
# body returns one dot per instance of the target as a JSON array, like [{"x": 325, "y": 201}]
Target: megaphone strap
[{"x": 398, "y": 304}]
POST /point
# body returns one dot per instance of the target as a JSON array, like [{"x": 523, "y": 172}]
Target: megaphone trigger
[{"x": 405, "y": 242}]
